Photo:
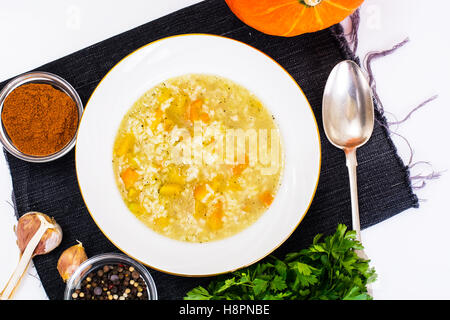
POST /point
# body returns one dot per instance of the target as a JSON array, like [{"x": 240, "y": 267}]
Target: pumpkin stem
[{"x": 311, "y": 3}]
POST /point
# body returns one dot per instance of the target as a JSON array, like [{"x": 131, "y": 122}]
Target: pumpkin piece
[
  {"x": 290, "y": 18},
  {"x": 164, "y": 94},
  {"x": 266, "y": 198},
  {"x": 170, "y": 189},
  {"x": 177, "y": 110},
  {"x": 136, "y": 208},
  {"x": 133, "y": 163},
  {"x": 132, "y": 193},
  {"x": 174, "y": 176},
  {"x": 214, "y": 220},
  {"x": 234, "y": 185},
  {"x": 125, "y": 145},
  {"x": 217, "y": 183},
  {"x": 168, "y": 124},
  {"x": 161, "y": 222},
  {"x": 200, "y": 210},
  {"x": 129, "y": 177},
  {"x": 155, "y": 124}
]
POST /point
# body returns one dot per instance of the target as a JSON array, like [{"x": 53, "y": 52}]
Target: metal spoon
[{"x": 348, "y": 118}]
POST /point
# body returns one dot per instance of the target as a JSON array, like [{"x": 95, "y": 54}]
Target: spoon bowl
[{"x": 348, "y": 113}]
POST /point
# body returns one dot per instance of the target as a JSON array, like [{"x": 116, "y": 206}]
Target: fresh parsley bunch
[{"x": 327, "y": 270}]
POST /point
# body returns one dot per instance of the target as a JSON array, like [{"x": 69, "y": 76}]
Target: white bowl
[{"x": 167, "y": 58}]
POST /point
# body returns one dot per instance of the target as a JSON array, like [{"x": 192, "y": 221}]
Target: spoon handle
[{"x": 352, "y": 163}]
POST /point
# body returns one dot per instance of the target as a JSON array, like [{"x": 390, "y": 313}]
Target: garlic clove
[
  {"x": 50, "y": 240},
  {"x": 70, "y": 260},
  {"x": 27, "y": 226}
]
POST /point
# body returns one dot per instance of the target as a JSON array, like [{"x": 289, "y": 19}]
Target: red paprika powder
[{"x": 39, "y": 119}]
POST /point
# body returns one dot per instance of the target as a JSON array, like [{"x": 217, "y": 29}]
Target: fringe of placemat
[{"x": 418, "y": 181}]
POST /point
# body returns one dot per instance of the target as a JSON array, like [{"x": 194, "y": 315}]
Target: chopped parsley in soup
[{"x": 198, "y": 158}]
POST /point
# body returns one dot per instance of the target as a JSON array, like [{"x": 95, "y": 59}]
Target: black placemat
[{"x": 384, "y": 187}]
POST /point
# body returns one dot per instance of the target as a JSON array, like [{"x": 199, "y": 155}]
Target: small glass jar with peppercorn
[{"x": 110, "y": 277}]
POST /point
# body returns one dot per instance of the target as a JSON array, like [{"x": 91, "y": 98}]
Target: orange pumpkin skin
[{"x": 290, "y": 18}]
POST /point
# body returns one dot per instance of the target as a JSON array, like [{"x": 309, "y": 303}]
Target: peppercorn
[
  {"x": 114, "y": 277},
  {"x": 98, "y": 291}
]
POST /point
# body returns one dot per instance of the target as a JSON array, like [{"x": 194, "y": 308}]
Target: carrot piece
[
  {"x": 204, "y": 117},
  {"x": 129, "y": 177},
  {"x": 158, "y": 118},
  {"x": 194, "y": 110},
  {"x": 214, "y": 220},
  {"x": 239, "y": 168},
  {"x": 266, "y": 198},
  {"x": 201, "y": 191}
]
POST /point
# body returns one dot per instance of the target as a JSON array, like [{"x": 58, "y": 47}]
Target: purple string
[
  {"x": 417, "y": 181},
  {"x": 413, "y": 111},
  {"x": 368, "y": 60},
  {"x": 353, "y": 34},
  {"x": 424, "y": 178}
]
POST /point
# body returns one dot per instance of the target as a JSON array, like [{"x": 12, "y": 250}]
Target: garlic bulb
[
  {"x": 37, "y": 234},
  {"x": 70, "y": 260},
  {"x": 27, "y": 226}
]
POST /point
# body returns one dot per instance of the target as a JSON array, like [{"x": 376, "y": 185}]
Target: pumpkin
[{"x": 290, "y": 18}]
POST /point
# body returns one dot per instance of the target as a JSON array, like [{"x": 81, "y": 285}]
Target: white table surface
[{"x": 409, "y": 251}]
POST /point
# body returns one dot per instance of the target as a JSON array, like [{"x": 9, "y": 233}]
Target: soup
[{"x": 198, "y": 158}]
